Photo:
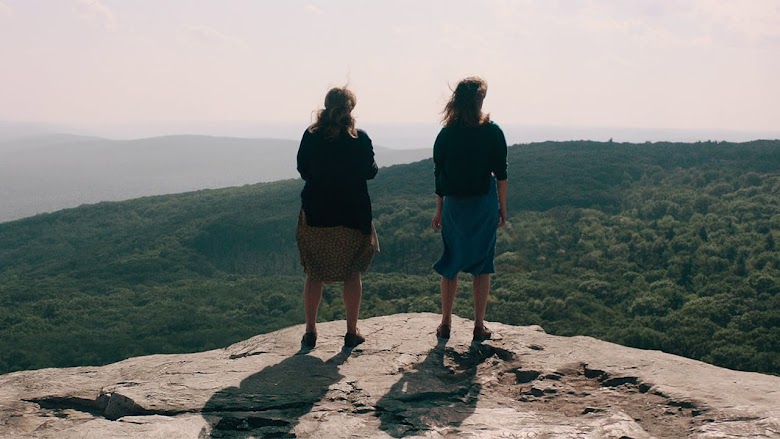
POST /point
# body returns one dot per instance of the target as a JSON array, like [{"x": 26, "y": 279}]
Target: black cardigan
[
  {"x": 465, "y": 157},
  {"x": 335, "y": 171}
]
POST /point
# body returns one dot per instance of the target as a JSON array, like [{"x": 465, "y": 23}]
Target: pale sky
[{"x": 676, "y": 64}]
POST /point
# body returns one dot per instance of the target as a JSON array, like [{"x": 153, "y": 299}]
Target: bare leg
[
  {"x": 312, "y": 296},
  {"x": 449, "y": 287},
  {"x": 481, "y": 291},
  {"x": 353, "y": 292}
]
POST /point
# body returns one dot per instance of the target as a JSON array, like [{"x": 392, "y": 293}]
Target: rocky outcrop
[{"x": 400, "y": 383}]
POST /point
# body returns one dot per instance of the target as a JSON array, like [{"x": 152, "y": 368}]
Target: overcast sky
[{"x": 679, "y": 64}]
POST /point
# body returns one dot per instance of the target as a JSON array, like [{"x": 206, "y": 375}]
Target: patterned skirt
[{"x": 333, "y": 254}]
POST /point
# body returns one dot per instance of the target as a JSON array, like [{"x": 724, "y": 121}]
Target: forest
[{"x": 665, "y": 246}]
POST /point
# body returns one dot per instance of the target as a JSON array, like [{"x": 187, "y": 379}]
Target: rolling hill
[
  {"x": 659, "y": 246},
  {"x": 44, "y": 173}
]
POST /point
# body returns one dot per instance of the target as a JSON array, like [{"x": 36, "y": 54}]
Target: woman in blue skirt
[{"x": 471, "y": 184}]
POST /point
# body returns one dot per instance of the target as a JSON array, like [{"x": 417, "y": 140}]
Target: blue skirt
[{"x": 468, "y": 229}]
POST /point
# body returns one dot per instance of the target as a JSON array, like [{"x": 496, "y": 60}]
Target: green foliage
[{"x": 657, "y": 246}]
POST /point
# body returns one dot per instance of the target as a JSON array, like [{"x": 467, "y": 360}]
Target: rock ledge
[{"x": 400, "y": 383}]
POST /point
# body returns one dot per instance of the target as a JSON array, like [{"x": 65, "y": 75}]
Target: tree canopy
[{"x": 668, "y": 246}]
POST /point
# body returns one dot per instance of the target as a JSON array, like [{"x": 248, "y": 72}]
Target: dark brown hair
[
  {"x": 336, "y": 117},
  {"x": 465, "y": 105}
]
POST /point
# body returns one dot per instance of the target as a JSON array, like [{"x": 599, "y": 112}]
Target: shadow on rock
[
  {"x": 270, "y": 403},
  {"x": 438, "y": 392}
]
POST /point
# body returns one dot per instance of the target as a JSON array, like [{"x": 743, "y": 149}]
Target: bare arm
[
  {"x": 503, "y": 185},
  {"x": 436, "y": 222}
]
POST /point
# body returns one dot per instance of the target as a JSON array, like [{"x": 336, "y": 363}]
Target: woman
[
  {"x": 471, "y": 183},
  {"x": 336, "y": 238}
]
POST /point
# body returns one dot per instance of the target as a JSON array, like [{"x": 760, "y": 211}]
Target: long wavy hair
[
  {"x": 465, "y": 105},
  {"x": 336, "y": 117}
]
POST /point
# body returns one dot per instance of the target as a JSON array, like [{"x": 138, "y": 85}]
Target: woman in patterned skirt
[
  {"x": 335, "y": 234},
  {"x": 470, "y": 167}
]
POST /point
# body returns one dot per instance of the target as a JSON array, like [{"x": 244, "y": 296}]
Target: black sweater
[
  {"x": 465, "y": 157},
  {"x": 335, "y": 171}
]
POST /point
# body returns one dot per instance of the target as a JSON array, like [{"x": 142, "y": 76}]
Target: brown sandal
[
  {"x": 443, "y": 331},
  {"x": 482, "y": 333},
  {"x": 351, "y": 340}
]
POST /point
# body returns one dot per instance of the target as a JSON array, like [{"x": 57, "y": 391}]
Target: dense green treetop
[{"x": 664, "y": 246}]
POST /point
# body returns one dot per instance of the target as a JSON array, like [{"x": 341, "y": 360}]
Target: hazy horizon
[
  {"x": 399, "y": 136},
  {"x": 657, "y": 70},
  {"x": 51, "y": 172}
]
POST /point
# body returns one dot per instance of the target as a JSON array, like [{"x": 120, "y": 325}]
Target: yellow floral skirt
[{"x": 333, "y": 254}]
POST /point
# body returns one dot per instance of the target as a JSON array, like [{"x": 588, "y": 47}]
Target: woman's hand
[
  {"x": 436, "y": 221},
  {"x": 502, "y": 188},
  {"x": 501, "y": 218}
]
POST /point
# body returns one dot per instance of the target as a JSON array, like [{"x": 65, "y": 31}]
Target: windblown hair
[
  {"x": 336, "y": 117},
  {"x": 465, "y": 105}
]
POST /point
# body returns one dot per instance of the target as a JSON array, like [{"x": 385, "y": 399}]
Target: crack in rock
[
  {"x": 60, "y": 403},
  {"x": 246, "y": 354},
  {"x": 578, "y": 390},
  {"x": 108, "y": 405}
]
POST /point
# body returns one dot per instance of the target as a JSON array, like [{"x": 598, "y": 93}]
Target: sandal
[
  {"x": 481, "y": 333},
  {"x": 309, "y": 340},
  {"x": 351, "y": 340},
  {"x": 443, "y": 331}
]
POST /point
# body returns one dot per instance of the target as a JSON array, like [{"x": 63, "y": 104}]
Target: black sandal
[
  {"x": 351, "y": 340},
  {"x": 482, "y": 333},
  {"x": 309, "y": 340},
  {"x": 443, "y": 331}
]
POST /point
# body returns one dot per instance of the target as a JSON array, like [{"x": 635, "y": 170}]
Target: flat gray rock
[{"x": 401, "y": 383}]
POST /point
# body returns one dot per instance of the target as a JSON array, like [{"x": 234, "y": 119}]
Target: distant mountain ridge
[{"x": 48, "y": 172}]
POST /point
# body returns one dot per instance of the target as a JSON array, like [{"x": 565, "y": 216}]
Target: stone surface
[{"x": 400, "y": 383}]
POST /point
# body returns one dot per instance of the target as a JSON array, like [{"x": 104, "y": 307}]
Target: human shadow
[
  {"x": 439, "y": 391},
  {"x": 271, "y": 402}
]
